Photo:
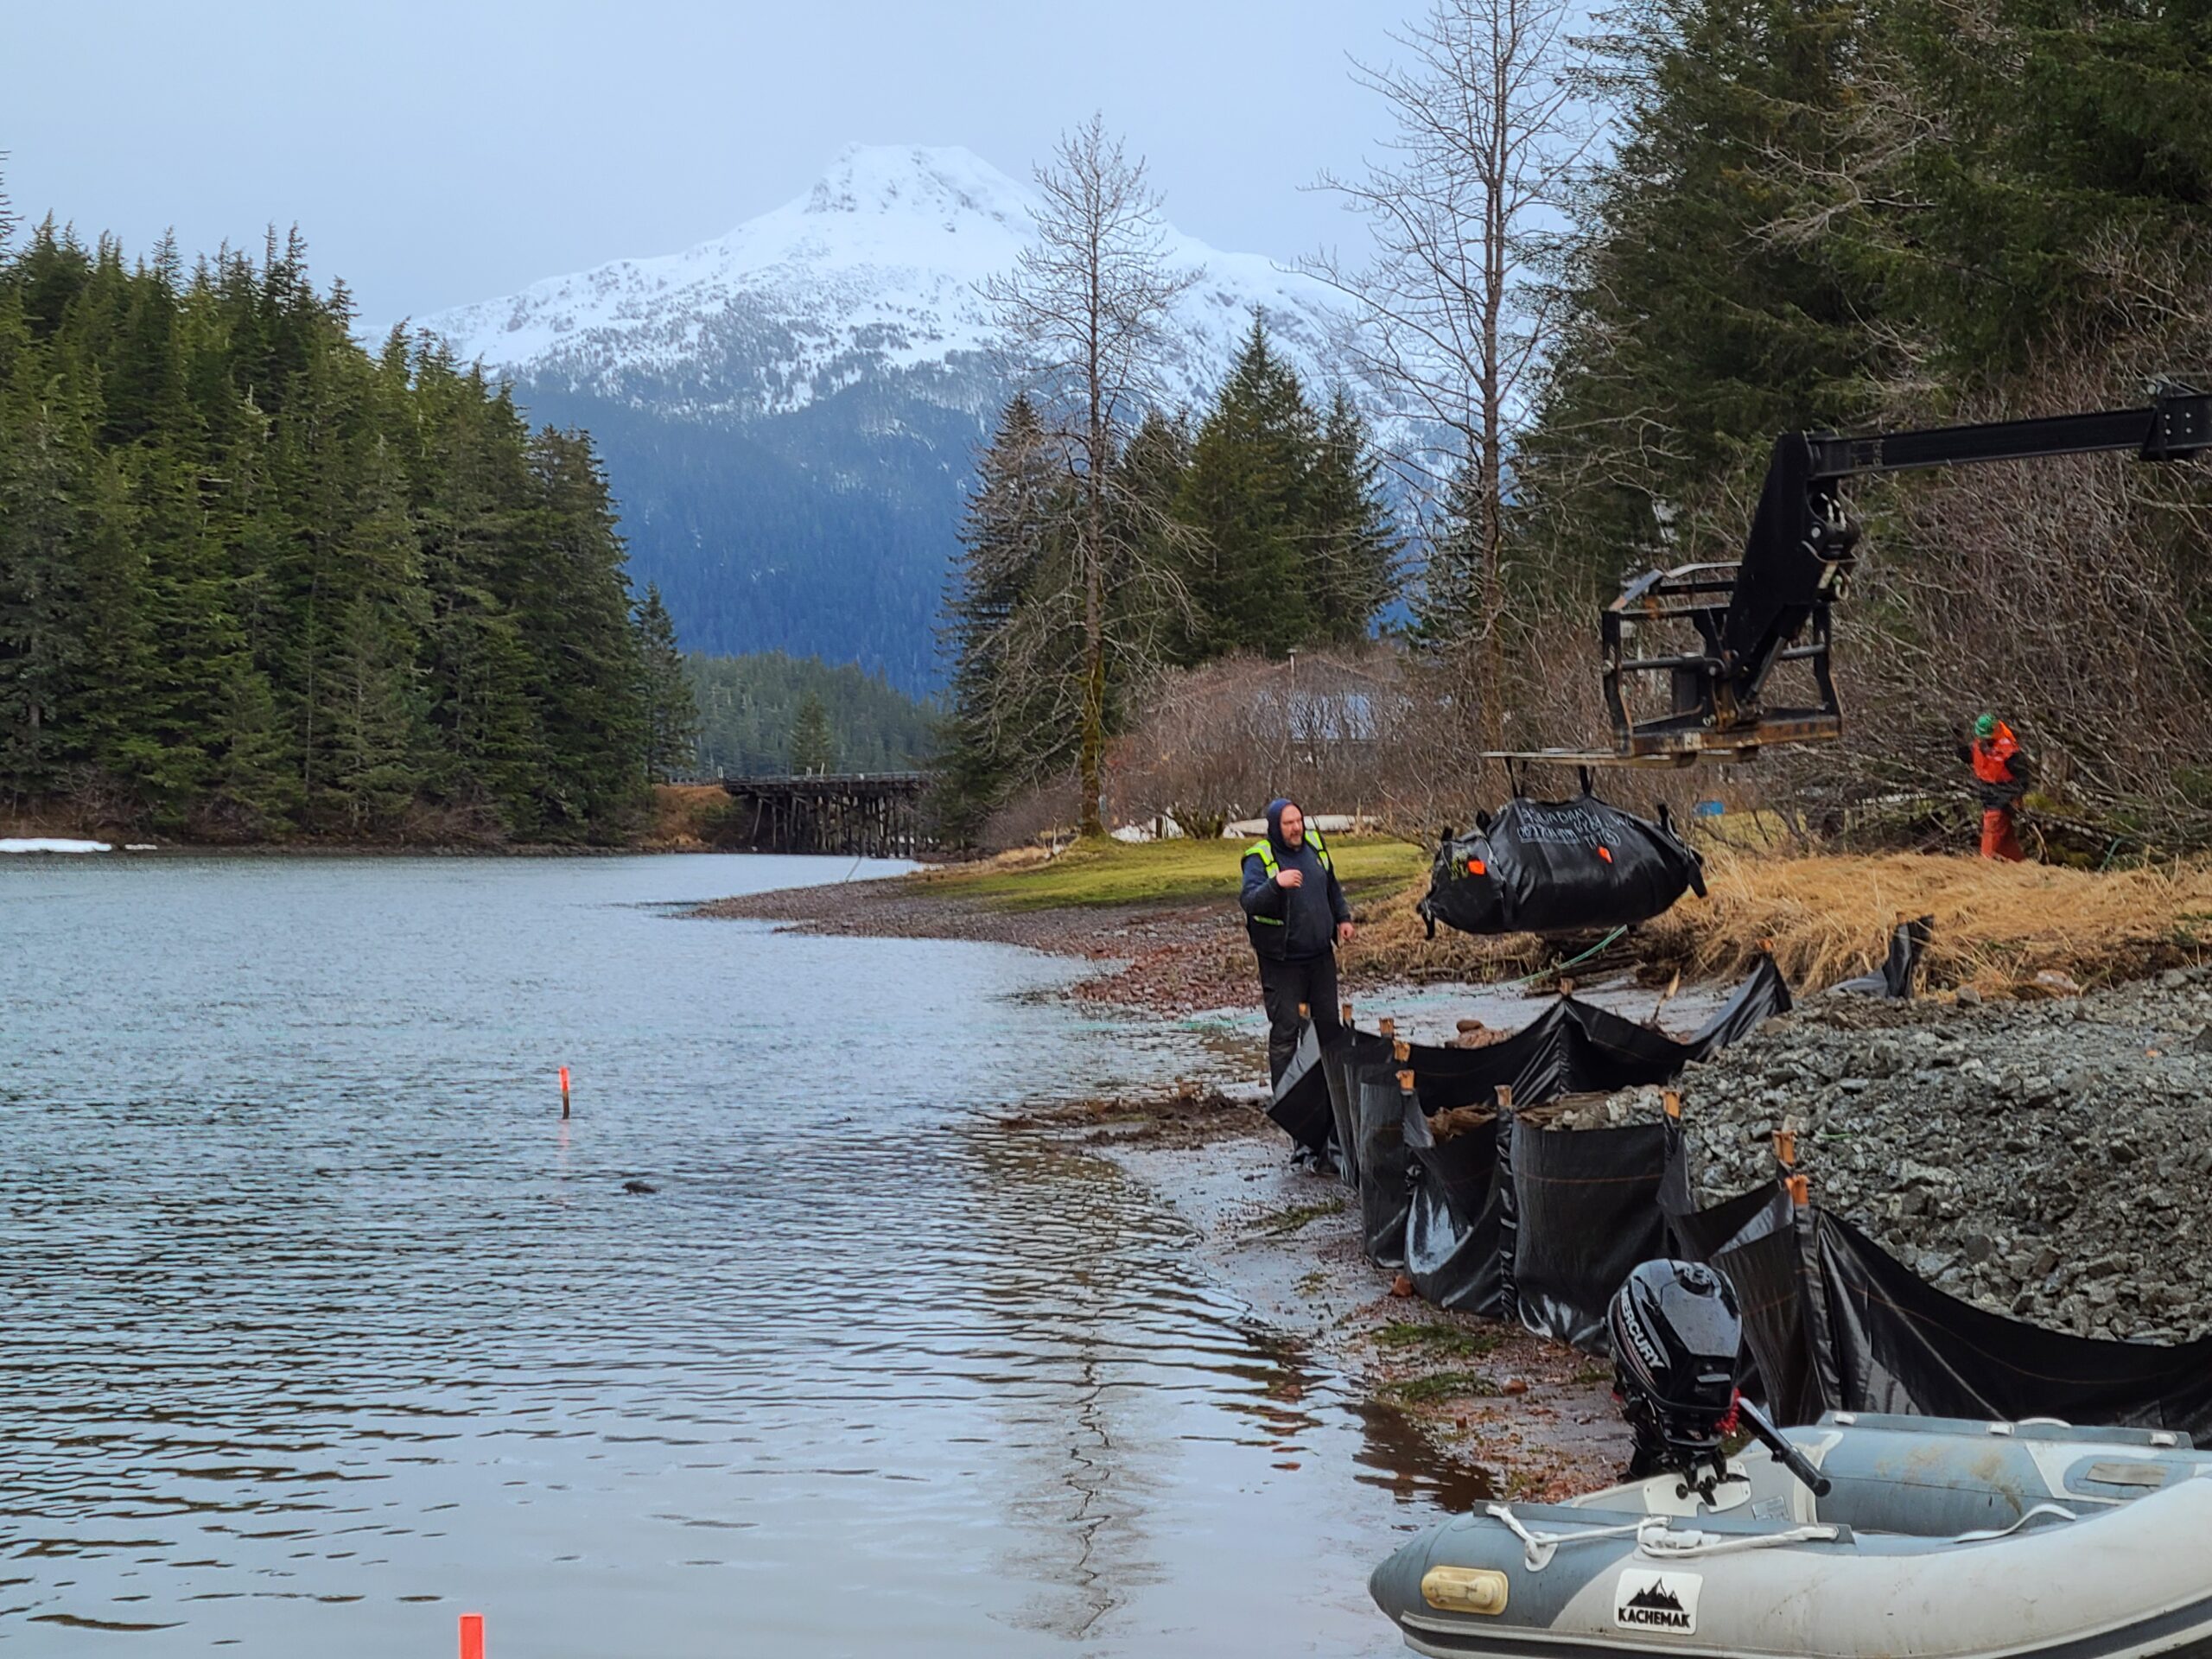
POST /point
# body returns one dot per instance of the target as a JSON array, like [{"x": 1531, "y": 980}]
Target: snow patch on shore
[{"x": 50, "y": 844}]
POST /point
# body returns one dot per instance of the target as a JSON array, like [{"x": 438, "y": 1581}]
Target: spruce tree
[
  {"x": 814, "y": 747},
  {"x": 1354, "y": 545},
  {"x": 43, "y": 613},
  {"x": 672, "y": 713},
  {"x": 1007, "y": 724},
  {"x": 1703, "y": 313},
  {"x": 1247, "y": 497}
]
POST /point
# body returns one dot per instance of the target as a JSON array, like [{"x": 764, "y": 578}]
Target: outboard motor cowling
[{"x": 1676, "y": 1330}]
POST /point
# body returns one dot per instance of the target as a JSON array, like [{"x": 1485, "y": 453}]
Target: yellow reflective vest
[{"x": 1264, "y": 850}]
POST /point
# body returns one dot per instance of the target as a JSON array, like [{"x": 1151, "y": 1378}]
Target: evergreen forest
[
  {"x": 750, "y": 710},
  {"x": 257, "y": 582},
  {"x": 1261, "y": 527}
]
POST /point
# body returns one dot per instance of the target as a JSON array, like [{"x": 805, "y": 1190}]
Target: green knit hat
[{"x": 1985, "y": 727}]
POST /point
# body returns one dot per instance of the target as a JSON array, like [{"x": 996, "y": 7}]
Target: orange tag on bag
[
  {"x": 1475, "y": 867},
  {"x": 1605, "y": 853}
]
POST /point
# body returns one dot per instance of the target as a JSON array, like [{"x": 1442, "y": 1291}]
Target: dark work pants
[{"x": 1283, "y": 986}]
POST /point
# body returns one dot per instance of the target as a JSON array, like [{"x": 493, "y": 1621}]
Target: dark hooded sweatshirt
[{"x": 1309, "y": 914}]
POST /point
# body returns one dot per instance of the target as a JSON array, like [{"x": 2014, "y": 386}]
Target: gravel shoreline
[{"x": 2050, "y": 1160}]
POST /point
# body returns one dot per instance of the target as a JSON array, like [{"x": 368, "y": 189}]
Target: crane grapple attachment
[{"x": 1719, "y": 661}]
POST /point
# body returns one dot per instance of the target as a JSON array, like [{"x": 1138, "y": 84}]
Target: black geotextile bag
[{"x": 1559, "y": 866}]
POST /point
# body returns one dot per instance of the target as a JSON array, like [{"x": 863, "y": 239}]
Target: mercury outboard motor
[{"x": 1676, "y": 1331}]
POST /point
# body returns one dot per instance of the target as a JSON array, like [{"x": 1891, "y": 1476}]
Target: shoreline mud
[{"x": 1505, "y": 1414}]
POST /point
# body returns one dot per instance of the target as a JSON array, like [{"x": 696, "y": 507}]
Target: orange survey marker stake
[
  {"x": 564, "y": 1091},
  {"x": 472, "y": 1624}
]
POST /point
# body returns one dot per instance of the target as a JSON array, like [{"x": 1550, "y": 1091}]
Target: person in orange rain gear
[{"x": 2000, "y": 772}]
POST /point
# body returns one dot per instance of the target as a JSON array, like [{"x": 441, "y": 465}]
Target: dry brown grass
[{"x": 1826, "y": 917}]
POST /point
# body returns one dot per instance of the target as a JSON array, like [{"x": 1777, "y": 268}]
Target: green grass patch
[
  {"x": 1436, "y": 1338},
  {"x": 1298, "y": 1215},
  {"x": 1441, "y": 1385},
  {"x": 1169, "y": 872}
]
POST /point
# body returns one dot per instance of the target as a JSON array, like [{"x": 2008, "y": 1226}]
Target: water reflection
[{"x": 322, "y": 1324}]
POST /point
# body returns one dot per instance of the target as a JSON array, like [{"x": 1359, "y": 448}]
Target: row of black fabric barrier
[{"x": 1492, "y": 1213}]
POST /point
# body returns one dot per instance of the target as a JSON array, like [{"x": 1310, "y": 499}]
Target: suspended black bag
[{"x": 1559, "y": 866}]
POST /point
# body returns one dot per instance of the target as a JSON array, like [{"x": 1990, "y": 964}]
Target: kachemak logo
[{"x": 1664, "y": 1603}]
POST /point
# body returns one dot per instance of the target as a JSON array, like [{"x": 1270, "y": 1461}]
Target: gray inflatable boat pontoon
[{"x": 1937, "y": 1539}]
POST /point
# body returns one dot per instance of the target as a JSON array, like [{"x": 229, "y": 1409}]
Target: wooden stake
[
  {"x": 1344, "y": 1010},
  {"x": 1670, "y": 1102},
  {"x": 1801, "y": 1191},
  {"x": 1785, "y": 1147},
  {"x": 1405, "y": 1081},
  {"x": 1402, "y": 1052},
  {"x": 1504, "y": 1097},
  {"x": 1387, "y": 1026}
]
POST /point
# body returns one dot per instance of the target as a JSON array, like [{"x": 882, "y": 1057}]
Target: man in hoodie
[{"x": 1296, "y": 912}]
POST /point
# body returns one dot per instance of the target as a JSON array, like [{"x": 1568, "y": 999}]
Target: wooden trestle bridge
[{"x": 868, "y": 815}]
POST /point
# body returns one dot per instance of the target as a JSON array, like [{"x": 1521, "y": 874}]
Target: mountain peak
[{"x": 922, "y": 179}]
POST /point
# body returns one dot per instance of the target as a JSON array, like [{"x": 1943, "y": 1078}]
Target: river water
[{"x": 319, "y": 1327}]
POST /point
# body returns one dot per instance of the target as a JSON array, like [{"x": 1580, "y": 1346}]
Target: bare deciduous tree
[
  {"x": 1085, "y": 312},
  {"x": 1462, "y": 210}
]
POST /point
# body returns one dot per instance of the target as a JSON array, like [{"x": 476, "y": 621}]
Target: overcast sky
[{"x": 435, "y": 154}]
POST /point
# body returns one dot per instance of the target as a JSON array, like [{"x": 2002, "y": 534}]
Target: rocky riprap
[{"x": 2048, "y": 1159}]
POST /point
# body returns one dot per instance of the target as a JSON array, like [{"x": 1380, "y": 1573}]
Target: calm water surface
[{"x": 318, "y": 1327}]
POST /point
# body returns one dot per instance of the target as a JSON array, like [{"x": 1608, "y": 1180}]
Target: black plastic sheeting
[
  {"x": 1893, "y": 978},
  {"x": 1587, "y": 1213},
  {"x": 1458, "y": 1220},
  {"x": 1301, "y": 1106},
  {"x": 1510, "y": 1220},
  {"x": 1384, "y": 1195},
  {"x": 1557, "y": 866},
  {"x": 1451, "y": 1210},
  {"x": 1835, "y": 1323}
]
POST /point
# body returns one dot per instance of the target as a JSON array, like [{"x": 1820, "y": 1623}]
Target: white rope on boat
[
  {"x": 1682, "y": 1546},
  {"x": 1654, "y": 1536},
  {"x": 1539, "y": 1548}
]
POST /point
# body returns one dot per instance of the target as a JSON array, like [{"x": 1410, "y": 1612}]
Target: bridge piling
[{"x": 866, "y": 815}]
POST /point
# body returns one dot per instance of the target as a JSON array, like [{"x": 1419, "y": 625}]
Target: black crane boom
[{"x": 1772, "y": 605}]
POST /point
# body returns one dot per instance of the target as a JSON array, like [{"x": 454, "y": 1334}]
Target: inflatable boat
[{"x": 1881, "y": 1537}]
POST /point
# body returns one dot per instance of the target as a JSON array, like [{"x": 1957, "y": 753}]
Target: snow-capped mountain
[{"x": 790, "y": 412}]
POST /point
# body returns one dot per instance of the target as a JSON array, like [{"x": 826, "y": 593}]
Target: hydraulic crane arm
[{"x": 1772, "y": 606}]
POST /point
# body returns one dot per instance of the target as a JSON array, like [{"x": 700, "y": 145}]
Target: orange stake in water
[
  {"x": 472, "y": 1624},
  {"x": 564, "y": 1091}
]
